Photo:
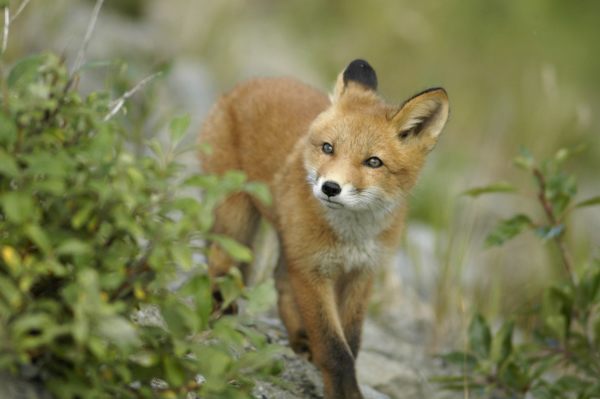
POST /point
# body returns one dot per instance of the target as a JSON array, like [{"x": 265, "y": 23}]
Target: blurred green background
[{"x": 519, "y": 73}]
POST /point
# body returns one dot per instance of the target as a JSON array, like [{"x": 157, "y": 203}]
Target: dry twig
[
  {"x": 88, "y": 36},
  {"x": 5, "y": 30},
  {"x": 8, "y": 20},
  {"x": 117, "y": 104},
  {"x": 19, "y": 10}
]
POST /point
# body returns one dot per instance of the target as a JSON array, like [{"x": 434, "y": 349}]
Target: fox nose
[{"x": 331, "y": 188}]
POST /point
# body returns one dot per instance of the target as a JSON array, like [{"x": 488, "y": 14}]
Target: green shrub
[
  {"x": 558, "y": 356},
  {"x": 91, "y": 239}
]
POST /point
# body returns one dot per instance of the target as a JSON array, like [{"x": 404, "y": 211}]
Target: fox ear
[
  {"x": 357, "y": 72},
  {"x": 423, "y": 117}
]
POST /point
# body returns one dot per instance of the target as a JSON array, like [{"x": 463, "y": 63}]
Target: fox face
[{"x": 362, "y": 154}]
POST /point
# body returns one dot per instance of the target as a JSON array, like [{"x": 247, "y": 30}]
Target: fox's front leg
[
  {"x": 316, "y": 299},
  {"x": 288, "y": 311},
  {"x": 354, "y": 291}
]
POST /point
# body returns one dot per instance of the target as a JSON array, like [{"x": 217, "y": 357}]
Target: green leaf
[
  {"x": 216, "y": 364},
  {"x": 557, "y": 311},
  {"x": 174, "y": 372},
  {"x": 462, "y": 383},
  {"x": 144, "y": 358},
  {"x": 47, "y": 164},
  {"x": 175, "y": 318},
  {"x": 8, "y": 130},
  {"x": 53, "y": 186},
  {"x": 560, "y": 189},
  {"x": 25, "y": 70},
  {"x": 157, "y": 149},
  {"x": 199, "y": 288},
  {"x": 29, "y": 322},
  {"x": 540, "y": 367},
  {"x": 514, "y": 376},
  {"x": 565, "y": 153},
  {"x": 237, "y": 251},
  {"x": 588, "y": 202},
  {"x": 463, "y": 359},
  {"x": 480, "y": 337},
  {"x": 118, "y": 331},
  {"x": 82, "y": 215},
  {"x": 524, "y": 160},
  {"x": 233, "y": 180},
  {"x": 8, "y": 165},
  {"x": 589, "y": 287},
  {"x": 570, "y": 383},
  {"x": 10, "y": 292},
  {"x": 502, "y": 343},
  {"x": 202, "y": 181},
  {"x": 260, "y": 191},
  {"x": 73, "y": 246},
  {"x": 549, "y": 232},
  {"x": 182, "y": 254},
  {"x": 596, "y": 328},
  {"x": 230, "y": 286},
  {"x": 178, "y": 127},
  {"x": 500, "y": 187},
  {"x": 18, "y": 207},
  {"x": 260, "y": 297},
  {"x": 555, "y": 328},
  {"x": 508, "y": 229},
  {"x": 39, "y": 237}
]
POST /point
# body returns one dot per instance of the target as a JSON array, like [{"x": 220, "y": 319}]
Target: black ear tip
[
  {"x": 360, "y": 71},
  {"x": 359, "y": 63}
]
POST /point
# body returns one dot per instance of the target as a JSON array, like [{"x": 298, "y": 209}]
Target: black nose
[{"x": 331, "y": 188}]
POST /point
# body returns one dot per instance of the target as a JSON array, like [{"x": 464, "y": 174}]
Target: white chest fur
[
  {"x": 347, "y": 257},
  {"x": 357, "y": 246}
]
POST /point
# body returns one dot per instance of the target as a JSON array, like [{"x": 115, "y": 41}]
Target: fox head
[{"x": 363, "y": 154}]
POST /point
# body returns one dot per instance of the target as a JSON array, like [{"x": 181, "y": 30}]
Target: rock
[
  {"x": 16, "y": 388},
  {"x": 370, "y": 393}
]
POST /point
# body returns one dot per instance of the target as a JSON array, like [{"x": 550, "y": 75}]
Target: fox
[{"x": 340, "y": 168}]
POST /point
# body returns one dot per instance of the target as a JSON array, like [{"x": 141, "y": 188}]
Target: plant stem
[{"x": 559, "y": 239}]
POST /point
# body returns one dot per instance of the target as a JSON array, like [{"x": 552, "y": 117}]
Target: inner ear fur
[{"x": 422, "y": 116}]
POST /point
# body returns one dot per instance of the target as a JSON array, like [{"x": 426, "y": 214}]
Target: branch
[
  {"x": 8, "y": 20},
  {"x": 119, "y": 102},
  {"x": 6, "y": 29},
  {"x": 133, "y": 273},
  {"x": 20, "y": 9},
  {"x": 562, "y": 248},
  {"x": 88, "y": 36}
]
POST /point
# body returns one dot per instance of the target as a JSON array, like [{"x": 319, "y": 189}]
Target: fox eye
[
  {"x": 374, "y": 162},
  {"x": 327, "y": 148}
]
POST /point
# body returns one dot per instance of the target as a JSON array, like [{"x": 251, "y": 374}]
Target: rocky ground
[{"x": 391, "y": 364}]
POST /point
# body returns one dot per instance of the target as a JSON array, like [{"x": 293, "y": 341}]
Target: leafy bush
[
  {"x": 91, "y": 239},
  {"x": 560, "y": 356}
]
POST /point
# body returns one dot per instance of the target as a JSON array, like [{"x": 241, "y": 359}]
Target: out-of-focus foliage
[
  {"x": 91, "y": 238},
  {"x": 555, "y": 192},
  {"x": 558, "y": 355},
  {"x": 517, "y": 72}
]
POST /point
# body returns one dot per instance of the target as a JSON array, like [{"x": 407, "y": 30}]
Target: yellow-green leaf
[
  {"x": 237, "y": 251},
  {"x": 500, "y": 187}
]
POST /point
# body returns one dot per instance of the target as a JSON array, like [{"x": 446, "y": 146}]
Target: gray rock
[{"x": 16, "y": 388}]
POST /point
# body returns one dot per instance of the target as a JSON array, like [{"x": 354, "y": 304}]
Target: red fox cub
[{"x": 340, "y": 169}]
